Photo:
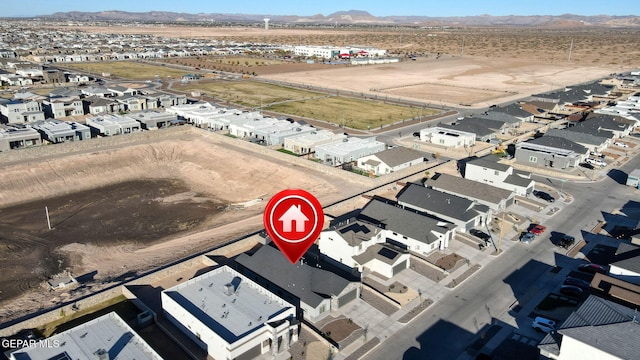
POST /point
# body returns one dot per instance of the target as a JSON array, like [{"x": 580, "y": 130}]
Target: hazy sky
[{"x": 326, "y": 7}]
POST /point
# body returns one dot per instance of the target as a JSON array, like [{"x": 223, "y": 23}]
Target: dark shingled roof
[
  {"x": 580, "y": 137},
  {"x": 628, "y": 257},
  {"x": 312, "y": 285},
  {"x": 407, "y": 222},
  {"x": 600, "y": 323},
  {"x": 439, "y": 203},
  {"x": 558, "y": 143},
  {"x": 356, "y": 232},
  {"x": 468, "y": 188}
]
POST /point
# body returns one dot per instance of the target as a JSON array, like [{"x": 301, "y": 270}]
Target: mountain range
[{"x": 358, "y": 17}]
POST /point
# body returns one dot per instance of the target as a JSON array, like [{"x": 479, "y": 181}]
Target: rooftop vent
[{"x": 228, "y": 289}]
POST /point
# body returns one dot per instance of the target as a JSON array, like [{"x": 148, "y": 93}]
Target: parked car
[
  {"x": 592, "y": 268},
  {"x": 571, "y": 290},
  {"x": 527, "y": 237},
  {"x": 480, "y": 234},
  {"x": 597, "y": 154},
  {"x": 576, "y": 282},
  {"x": 597, "y": 162},
  {"x": 587, "y": 165},
  {"x": 537, "y": 229},
  {"x": 416, "y": 134},
  {"x": 544, "y": 196},
  {"x": 620, "y": 144},
  {"x": 566, "y": 241},
  {"x": 544, "y": 325}
]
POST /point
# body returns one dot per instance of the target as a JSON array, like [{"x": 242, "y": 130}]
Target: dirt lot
[{"x": 134, "y": 207}]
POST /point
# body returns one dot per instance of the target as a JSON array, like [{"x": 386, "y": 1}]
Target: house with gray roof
[
  {"x": 106, "y": 337},
  {"x": 512, "y": 114},
  {"x": 590, "y": 141},
  {"x": 619, "y": 126},
  {"x": 484, "y": 128},
  {"x": 464, "y": 213},
  {"x": 57, "y": 131},
  {"x": 348, "y": 150},
  {"x": 598, "y": 329},
  {"x": 230, "y": 316},
  {"x": 314, "y": 291},
  {"x": 488, "y": 170},
  {"x": 495, "y": 198},
  {"x": 408, "y": 228},
  {"x": 390, "y": 160},
  {"x": 550, "y": 151},
  {"x": 626, "y": 264}
]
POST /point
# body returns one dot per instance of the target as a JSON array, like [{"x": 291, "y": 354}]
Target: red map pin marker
[{"x": 293, "y": 219}]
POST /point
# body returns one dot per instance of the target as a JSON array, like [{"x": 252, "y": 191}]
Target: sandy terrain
[
  {"x": 183, "y": 208},
  {"x": 476, "y": 82}
]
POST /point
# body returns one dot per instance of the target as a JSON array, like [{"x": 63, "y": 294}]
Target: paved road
[{"x": 454, "y": 322}]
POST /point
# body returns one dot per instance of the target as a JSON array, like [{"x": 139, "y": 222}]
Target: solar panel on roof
[{"x": 388, "y": 253}]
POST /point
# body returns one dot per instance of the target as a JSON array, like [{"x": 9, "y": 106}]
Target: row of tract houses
[{"x": 576, "y": 121}]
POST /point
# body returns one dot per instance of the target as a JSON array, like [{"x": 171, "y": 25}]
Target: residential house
[
  {"x": 495, "y": 198},
  {"x": 512, "y": 114},
  {"x": 57, "y": 131},
  {"x": 78, "y": 79},
  {"x": 447, "y": 137},
  {"x": 408, "y": 228},
  {"x": 306, "y": 143},
  {"x": 484, "y": 128},
  {"x": 118, "y": 90},
  {"x": 99, "y": 91},
  {"x": 390, "y": 160},
  {"x": 626, "y": 264},
  {"x": 619, "y": 126},
  {"x": 488, "y": 170},
  {"x": 598, "y": 329},
  {"x": 348, "y": 150},
  {"x": 109, "y": 125},
  {"x": 462, "y": 212},
  {"x": 21, "y": 111},
  {"x": 230, "y": 316},
  {"x": 18, "y": 137},
  {"x": 7, "y": 54},
  {"x": 359, "y": 246},
  {"x": 598, "y": 141},
  {"x": 105, "y": 337},
  {"x": 153, "y": 119},
  {"x": 550, "y": 151},
  {"x": 315, "y": 292},
  {"x": 268, "y": 130},
  {"x": 53, "y": 76},
  {"x": 60, "y": 107},
  {"x": 102, "y": 105}
]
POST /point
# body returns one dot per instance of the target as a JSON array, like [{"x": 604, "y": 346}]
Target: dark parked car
[
  {"x": 592, "y": 268},
  {"x": 587, "y": 165},
  {"x": 480, "y": 234},
  {"x": 571, "y": 290},
  {"x": 566, "y": 241},
  {"x": 544, "y": 196},
  {"x": 416, "y": 134},
  {"x": 576, "y": 282}
]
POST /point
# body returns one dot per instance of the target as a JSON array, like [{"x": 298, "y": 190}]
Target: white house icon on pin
[{"x": 294, "y": 214}]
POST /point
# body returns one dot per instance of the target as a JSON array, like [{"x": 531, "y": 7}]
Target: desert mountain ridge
[{"x": 358, "y": 17}]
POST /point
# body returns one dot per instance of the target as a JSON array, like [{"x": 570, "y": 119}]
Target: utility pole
[{"x": 570, "y": 50}]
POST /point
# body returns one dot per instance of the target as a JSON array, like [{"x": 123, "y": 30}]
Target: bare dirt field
[
  {"x": 135, "y": 207},
  {"x": 455, "y": 81}
]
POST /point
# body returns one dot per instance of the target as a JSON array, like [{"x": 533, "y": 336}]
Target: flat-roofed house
[
  {"x": 390, "y": 160},
  {"x": 109, "y": 125},
  {"x": 231, "y": 316},
  {"x": 106, "y": 337},
  {"x": 17, "y": 138},
  {"x": 348, "y": 150},
  {"x": 306, "y": 143},
  {"x": 447, "y": 137}
]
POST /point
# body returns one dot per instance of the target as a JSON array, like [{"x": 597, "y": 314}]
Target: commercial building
[{"x": 230, "y": 316}]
